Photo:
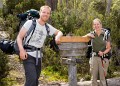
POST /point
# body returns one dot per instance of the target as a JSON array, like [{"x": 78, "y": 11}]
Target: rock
[
  {"x": 3, "y": 35},
  {"x": 111, "y": 82}
]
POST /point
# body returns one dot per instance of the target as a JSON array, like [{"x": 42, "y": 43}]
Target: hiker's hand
[
  {"x": 57, "y": 41},
  {"x": 100, "y": 53},
  {"x": 23, "y": 54},
  {"x": 58, "y": 34},
  {"x": 90, "y": 35}
]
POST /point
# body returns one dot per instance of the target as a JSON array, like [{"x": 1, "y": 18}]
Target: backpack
[
  {"x": 28, "y": 15},
  {"x": 31, "y": 30},
  {"x": 34, "y": 14},
  {"x": 6, "y": 46},
  {"x": 89, "y": 50},
  {"x": 11, "y": 47},
  {"x": 53, "y": 45},
  {"x": 31, "y": 14}
]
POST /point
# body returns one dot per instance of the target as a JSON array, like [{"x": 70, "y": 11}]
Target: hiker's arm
[
  {"x": 19, "y": 41},
  {"x": 20, "y": 37},
  {"x": 58, "y": 34},
  {"x": 108, "y": 45},
  {"x": 108, "y": 48},
  {"x": 89, "y": 35}
]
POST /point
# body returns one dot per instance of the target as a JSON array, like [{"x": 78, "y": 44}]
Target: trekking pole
[{"x": 103, "y": 70}]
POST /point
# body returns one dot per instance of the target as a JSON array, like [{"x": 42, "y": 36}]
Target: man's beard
[{"x": 44, "y": 19}]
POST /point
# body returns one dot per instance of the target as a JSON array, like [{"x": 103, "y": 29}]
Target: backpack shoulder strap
[
  {"x": 31, "y": 29},
  {"x": 106, "y": 34},
  {"x": 92, "y": 32},
  {"x": 47, "y": 29}
]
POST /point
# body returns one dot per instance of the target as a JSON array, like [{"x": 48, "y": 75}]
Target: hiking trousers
[
  {"x": 98, "y": 70},
  {"x": 32, "y": 71}
]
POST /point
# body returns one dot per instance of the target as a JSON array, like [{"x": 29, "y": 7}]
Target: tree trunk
[
  {"x": 1, "y": 4},
  {"x": 52, "y": 4},
  {"x": 108, "y": 7}
]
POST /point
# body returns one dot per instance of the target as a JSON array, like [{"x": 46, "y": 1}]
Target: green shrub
[
  {"x": 52, "y": 62},
  {"x": 4, "y": 68}
]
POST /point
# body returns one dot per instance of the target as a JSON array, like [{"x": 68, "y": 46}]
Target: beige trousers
[{"x": 98, "y": 68}]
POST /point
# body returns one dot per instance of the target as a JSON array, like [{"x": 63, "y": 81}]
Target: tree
[
  {"x": 109, "y": 2},
  {"x": 52, "y": 4}
]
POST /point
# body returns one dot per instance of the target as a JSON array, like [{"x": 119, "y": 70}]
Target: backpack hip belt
[
  {"x": 95, "y": 53},
  {"x": 31, "y": 48},
  {"x": 107, "y": 55}
]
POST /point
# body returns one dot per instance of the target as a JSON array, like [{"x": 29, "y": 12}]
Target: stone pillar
[{"x": 72, "y": 72}]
